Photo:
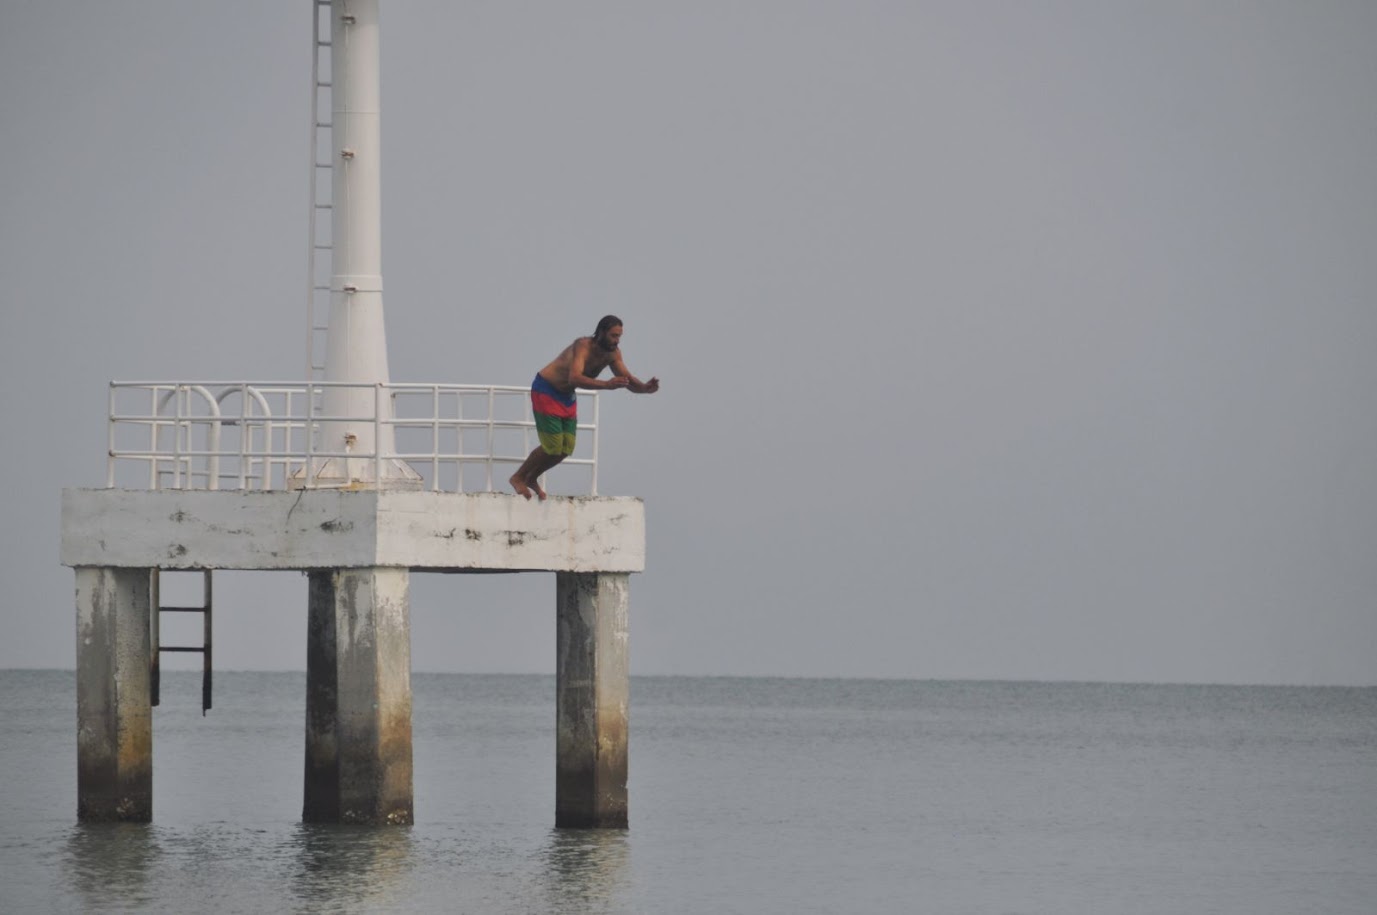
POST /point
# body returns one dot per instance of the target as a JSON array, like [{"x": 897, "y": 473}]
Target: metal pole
[
  {"x": 597, "y": 424},
  {"x": 205, "y": 655},
  {"x": 110, "y": 437},
  {"x": 378, "y": 397}
]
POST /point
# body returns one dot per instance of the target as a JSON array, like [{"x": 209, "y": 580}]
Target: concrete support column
[
  {"x": 592, "y": 691},
  {"x": 114, "y": 715},
  {"x": 358, "y": 697}
]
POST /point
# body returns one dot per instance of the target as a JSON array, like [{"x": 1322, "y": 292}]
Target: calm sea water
[{"x": 747, "y": 795}]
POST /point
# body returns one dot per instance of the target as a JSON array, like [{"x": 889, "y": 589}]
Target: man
[{"x": 555, "y": 402}]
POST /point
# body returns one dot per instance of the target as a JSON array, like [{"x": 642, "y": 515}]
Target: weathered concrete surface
[
  {"x": 114, "y": 715},
  {"x": 592, "y": 700},
  {"x": 358, "y": 698},
  {"x": 317, "y": 529},
  {"x": 497, "y": 531}
]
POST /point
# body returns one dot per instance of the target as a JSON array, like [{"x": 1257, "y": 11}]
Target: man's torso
[{"x": 597, "y": 359}]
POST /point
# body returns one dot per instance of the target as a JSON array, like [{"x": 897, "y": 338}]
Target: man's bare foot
[
  {"x": 521, "y": 488},
  {"x": 535, "y": 484}
]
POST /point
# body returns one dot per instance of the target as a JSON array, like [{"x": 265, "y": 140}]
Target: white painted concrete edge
[{"x": 317, "y": 529}]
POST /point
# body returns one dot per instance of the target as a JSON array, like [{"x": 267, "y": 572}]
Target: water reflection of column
[
  {"x": 586, "y": 869},
  {"x": 111, "y": 863},
  {"x": 337, "y": 867}
]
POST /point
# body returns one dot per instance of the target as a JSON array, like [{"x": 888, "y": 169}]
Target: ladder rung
[
  {"x": 183, "y": 648},
  {"x": 182, "y": 609}
]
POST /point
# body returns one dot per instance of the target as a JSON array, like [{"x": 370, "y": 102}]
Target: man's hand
[
  {"x": 618, "y": 381},
  {"x": 651, "y": 386}
]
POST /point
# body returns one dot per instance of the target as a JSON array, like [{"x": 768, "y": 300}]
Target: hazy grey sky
[{"x": 998, "y": 340}]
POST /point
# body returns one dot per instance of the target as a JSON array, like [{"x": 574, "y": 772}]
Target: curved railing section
[{"x": 266, "y": 435}]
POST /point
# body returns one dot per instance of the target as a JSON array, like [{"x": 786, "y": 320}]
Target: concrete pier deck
[
  {"x": 329, "y": 529},
  {"x": 359, "y": 548}
]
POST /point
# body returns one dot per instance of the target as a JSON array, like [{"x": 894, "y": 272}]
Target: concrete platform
[
  {"x": 317, "y": 529},
  {"x": 359, "y": 548}
]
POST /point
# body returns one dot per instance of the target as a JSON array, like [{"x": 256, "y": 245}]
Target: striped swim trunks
[{"x": 556, "y": 417}]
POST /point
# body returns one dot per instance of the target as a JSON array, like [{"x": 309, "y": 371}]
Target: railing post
[
  {"x": 110, "y": 437},
  {"x": 528, "y": 423},
  {"x": 212, "y": 438},
  {"x": 597, "y": 423},
  {"x": 309, "y": 430},
  {"x": 154, "y": 426},
  {"x": 377, "y": 434},
  {"x": 178, "y": 397},
  {"x": 492, "y": 405},
  {"x": 434, "y": 438},
  {"x": 245, "y": 431}
]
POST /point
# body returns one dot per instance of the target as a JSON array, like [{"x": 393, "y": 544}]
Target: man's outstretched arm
[{"x": 634, "y": 384}]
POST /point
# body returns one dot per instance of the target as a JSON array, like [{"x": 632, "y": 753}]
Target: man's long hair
[{"x": 607, "y": 323}]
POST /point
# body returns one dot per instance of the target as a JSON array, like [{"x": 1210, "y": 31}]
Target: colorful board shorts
[{"x": 556, "y": 417}]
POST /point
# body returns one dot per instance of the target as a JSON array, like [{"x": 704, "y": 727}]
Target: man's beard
[{"x": 602, "y": 344}]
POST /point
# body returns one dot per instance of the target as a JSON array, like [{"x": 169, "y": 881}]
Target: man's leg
[
  {"x": 563, "y": 445},
  {"x": 557, "y": 439},
  {"x": 527, "y": 477},
  {"x": 550, "y": 462},
  {"x": 518, "y": 479}
]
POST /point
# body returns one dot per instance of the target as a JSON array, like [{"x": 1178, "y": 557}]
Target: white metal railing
[{"x": 267, "y": 435}]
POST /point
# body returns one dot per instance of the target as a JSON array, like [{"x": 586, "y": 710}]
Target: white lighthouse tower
[
  {"x": 356, "y": 342},
  {"x": 306, "y": 476}
]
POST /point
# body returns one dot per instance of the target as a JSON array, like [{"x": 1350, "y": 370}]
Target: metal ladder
[
  {"x": 321, "y": 251},
  {"x": 155, "y": 625}
]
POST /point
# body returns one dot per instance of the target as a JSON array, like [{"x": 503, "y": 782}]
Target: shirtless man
[{"x": 555, "y": 403}]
